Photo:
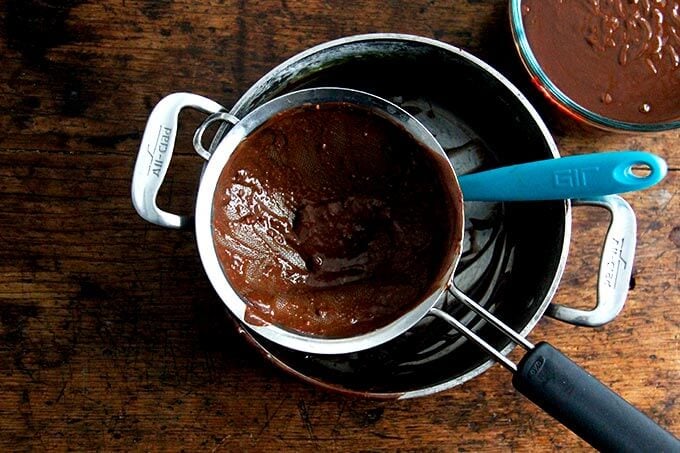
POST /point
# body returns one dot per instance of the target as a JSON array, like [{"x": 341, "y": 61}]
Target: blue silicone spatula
[{"x": 579, "y": 176}]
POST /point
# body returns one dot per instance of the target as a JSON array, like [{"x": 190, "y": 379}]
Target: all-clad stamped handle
[
  {"x": 155, "y": 153},
  {"x": 616, "y": 265}
]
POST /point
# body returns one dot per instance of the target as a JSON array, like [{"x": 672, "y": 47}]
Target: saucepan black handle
[{"x": 586, "y": 406}]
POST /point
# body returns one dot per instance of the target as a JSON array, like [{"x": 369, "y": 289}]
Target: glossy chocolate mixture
[
  {"x": 617, "y": 58},
  {"x": 331, "y": 220}
]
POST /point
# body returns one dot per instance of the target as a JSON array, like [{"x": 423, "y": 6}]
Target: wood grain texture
[{"x": 110, "y": 334}]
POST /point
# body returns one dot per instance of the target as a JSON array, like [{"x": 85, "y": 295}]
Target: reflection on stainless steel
[
  {"x": 472, "y": 336},
  {"x": 486, "y": 255}
]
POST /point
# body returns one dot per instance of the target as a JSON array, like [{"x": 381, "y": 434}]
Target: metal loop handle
[
  {"x": 155, "y": 153},
  {"x": 616, "y": 266},
  {"x": 198, "y": 135}
]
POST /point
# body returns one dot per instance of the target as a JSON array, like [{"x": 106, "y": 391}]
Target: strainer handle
[
  {"x": 586, "y": 406},
  {"x": 155, "y": 153},
  {"x": 567, "y": 392},
  {"x": 616, "y": 266}
]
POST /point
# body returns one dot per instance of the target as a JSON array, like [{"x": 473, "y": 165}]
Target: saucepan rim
[{"x": 318, "y": 58}]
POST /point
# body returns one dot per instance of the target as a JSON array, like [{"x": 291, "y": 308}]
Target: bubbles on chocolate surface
[
  {"x": 616, "y": 58},
  {"x": 331, "y": 220}
]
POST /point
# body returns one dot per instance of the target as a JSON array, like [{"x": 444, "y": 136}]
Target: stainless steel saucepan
[{"x": 544, "y": 375}]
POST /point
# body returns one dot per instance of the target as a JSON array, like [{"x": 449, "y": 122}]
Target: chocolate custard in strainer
[{"x": 332, "y": 220}]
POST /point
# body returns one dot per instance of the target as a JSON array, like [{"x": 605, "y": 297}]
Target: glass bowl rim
[{"x": 556, "y": 95}]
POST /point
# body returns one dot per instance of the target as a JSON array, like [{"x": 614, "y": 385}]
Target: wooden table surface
[{"x": 111, "y": 336}]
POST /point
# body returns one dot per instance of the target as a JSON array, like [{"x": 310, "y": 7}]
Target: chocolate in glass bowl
[
  {"x": 332, "y": 220},
  {"x": 615, "y": 64}
]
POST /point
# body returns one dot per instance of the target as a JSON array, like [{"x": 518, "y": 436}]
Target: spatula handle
[{"x": 587, "y": 175}]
